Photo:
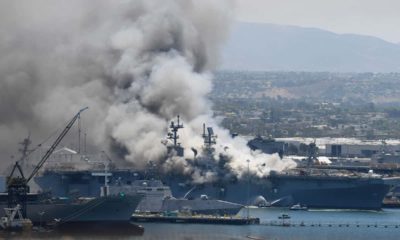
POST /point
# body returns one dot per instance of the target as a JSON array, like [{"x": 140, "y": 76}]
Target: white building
[{"x": 348, "y": 147}]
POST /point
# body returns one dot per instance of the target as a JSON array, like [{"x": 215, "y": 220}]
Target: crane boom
[
  {"x": 55, "y": 144},
  {"x": 17, "y": 187}
]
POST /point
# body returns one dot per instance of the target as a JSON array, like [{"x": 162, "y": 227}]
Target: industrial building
[{"x": 348, "y": 147}]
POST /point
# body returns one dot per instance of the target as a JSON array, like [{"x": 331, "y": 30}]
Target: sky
[{"x": 379, "y": 18}]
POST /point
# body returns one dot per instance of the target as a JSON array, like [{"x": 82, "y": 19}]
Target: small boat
[
  {"x": 255, "y": 237},
  {"x": 264, "y": 205},
  {"x": 284, "y": 216},
  {"x": 298, "y": 207}
]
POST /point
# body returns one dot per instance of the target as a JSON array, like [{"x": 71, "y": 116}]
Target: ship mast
[
  {"x": 176, "y": 148},
  {"x": 173, "y": 135}
]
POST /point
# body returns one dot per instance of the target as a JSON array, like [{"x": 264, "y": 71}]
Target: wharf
[{"x": 195, "y": 219}]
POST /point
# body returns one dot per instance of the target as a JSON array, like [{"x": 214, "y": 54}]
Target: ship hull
[
  {"x": 102, "y": 209},
  {"x": 330, "y": 192},
  {"x": 333, "y": 193},
  {"x": 280, "y": 190},
  {"x": 367, "y": 197}
]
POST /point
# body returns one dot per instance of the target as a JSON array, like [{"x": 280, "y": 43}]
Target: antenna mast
[{"x": 173, "y": 135}]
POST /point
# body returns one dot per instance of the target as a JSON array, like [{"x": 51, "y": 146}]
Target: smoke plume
[{"x": 135, "y": 64}]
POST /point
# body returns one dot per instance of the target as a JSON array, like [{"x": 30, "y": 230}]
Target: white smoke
[
  {"x": 241, "y": 159},
  {"x": 135, "y": 64}
]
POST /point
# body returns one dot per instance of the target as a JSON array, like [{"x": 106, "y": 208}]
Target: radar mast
[{"x": 173, "y": 135}]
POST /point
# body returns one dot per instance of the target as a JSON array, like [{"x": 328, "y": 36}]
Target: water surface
[{"x": 308, "y": 225}]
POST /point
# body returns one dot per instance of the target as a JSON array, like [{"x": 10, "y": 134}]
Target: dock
[{"x": 200, "y": 219}]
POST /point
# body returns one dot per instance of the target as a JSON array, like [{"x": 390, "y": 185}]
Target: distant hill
[{"x": 255, "y": 46}]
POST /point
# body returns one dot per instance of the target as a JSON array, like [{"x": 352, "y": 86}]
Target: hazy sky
[{"x": 380, "y": 18}]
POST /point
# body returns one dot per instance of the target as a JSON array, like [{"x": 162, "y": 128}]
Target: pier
[{"x": 200, "y": 219}]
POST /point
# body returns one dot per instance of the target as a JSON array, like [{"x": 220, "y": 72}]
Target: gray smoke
[{"x": 135, "y": 64}]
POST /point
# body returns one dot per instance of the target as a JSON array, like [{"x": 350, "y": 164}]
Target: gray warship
[
  {"x": 157, "y": 197},
  {"x": 315, "y": 188},
  {"x": 44, "y": 207},
  {"x": 311, "y": 187},
  {"x": 71, "y": 174}
]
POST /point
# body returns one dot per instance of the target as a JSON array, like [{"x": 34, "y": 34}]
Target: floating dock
[{"x": 195, "y": 219}]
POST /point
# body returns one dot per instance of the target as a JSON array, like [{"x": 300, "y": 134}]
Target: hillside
[{"x": 254, "y": 46}]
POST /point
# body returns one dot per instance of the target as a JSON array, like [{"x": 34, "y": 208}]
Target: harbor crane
[{"x": 17, "y": 186}]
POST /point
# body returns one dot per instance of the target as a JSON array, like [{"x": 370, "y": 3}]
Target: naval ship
[
  {"x": 71, "y": 174},
  {"x": 45, "y": 209},
  {"x": 157, "y": 197},
  {"x": 316, "y": 189},
  {"x": 110, "y": 205}
]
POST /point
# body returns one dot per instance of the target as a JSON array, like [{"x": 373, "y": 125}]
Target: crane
[{"x": 17, "y": 186}]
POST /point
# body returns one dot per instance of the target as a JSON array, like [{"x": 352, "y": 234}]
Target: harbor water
[{"x": 307, "y": 225}]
